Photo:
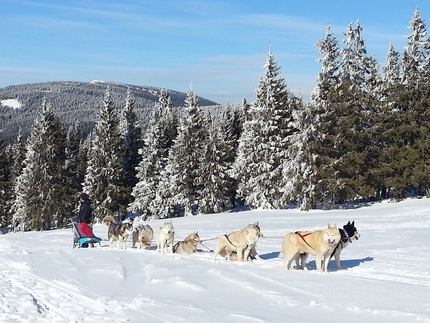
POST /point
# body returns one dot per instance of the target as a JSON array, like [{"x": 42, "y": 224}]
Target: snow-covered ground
[{"x": 387, "y": 276}]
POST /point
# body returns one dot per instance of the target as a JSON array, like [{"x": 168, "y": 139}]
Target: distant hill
[{"x": 73, "y": 102}]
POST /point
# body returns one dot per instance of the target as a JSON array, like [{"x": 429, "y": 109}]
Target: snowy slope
[{"x": 44, "y": 279}]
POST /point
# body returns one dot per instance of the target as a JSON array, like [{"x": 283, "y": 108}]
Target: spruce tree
[
  {"x": 265, "y": 140},
  {"x": 131, "y": 132},
  {"x": 5, "y": 187},
  {"x": 181, "y": 179},
  {"x": 416, "y": 55},
  {"x": 229, "y": 132},
  {"x": 104, "y": 177},
  {"x": 40, "y": 201},
  {"x": 406, "y": 136},
  {"x": 322, "y": 115},
  {"x": 73, "y": 180},
  {"x": 158, "y": 139},
  {"x": 352, "y": 118}
]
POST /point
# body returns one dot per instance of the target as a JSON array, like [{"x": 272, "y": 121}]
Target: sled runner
[{"x": 84, "y": 236}]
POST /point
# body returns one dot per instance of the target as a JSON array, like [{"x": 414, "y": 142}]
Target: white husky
[{"x": 165, "y": 237}]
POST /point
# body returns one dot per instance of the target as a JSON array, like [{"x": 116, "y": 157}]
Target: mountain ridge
[{"x": 74, "y": 102}]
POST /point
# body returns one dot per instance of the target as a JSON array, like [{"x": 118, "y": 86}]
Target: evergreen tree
[
  {"x": 351, "y": 123},
  {"x": 229, "y": 132},
  {"x": 321, "y": 136},
  {"x": 416, "y": 55},
  {"x": 73, "y": 180},
  {"x": 158, "y": 140},
  {"x": 181, "y": 180},
  {"x": 131, "y": 132},
  {"x": 40, "y": 202},
  {"x": 406, "y": 127},
  {"x": 104, "y": 177},
  {"x": 17, "y": 154},
  {"x": 264, "y": 142},
  {"x": 5, "y": 187},
  {"x": 213, "y": 181}
]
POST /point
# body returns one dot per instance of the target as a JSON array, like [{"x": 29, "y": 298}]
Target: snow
[
  {"x": 43, "y": 279},
  {"x": 11, "y": 103}
]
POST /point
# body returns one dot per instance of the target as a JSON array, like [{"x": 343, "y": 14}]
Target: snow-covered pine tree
[
  {"x": 352, "y": 118},
  {"x": 105, "y": 175},
  {"x": 5, "y": 186},
  {"x": 17, "y": 155},
  {"x": 158, "y": 140},
  {"x": 407, "y": 132},
  {"x": 178, "y": 190},
  {"x": 417, "y": 53},
  {"x": 40, "y": 202},
  {"x": 391, "y": 72},
  {"x": 264, "y": 142},
  {"x": 73, "y": 181},
  {"x": 82, "y": 159},
  {"x": 213, "y": 182},
  {"x": 319, "y": 177},
  {"x": 229, "y": 132},
  {"x": 131, "y": 132},
  {"x": 391, "y": 87}
]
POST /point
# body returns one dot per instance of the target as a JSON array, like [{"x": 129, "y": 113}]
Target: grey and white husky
[
  {"x": 118, "y": 232},
  {"x": 187, "y": 246}
]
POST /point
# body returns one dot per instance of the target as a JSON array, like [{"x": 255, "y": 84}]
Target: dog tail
[{"x": 108, "y": 219}]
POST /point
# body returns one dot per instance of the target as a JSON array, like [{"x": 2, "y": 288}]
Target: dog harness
[
  {"x": 303, "y": 238},
  {"x": 229, "y": 241}
]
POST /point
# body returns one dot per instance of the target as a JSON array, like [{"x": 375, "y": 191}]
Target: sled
[{"x": 84, "y": 236}]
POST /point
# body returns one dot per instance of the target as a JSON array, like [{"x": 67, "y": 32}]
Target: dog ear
[{"x": 352, "y": 223}]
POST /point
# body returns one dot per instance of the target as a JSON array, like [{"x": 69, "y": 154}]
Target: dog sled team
[{"x": 240, "y": 245}]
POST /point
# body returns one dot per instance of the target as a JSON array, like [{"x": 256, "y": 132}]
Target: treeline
[{"x": 363, "y": 135}]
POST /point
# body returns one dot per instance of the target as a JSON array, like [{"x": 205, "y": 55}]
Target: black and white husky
[
  {"x": 348, "y": 233},
  {"x": 118, "y": 232}
]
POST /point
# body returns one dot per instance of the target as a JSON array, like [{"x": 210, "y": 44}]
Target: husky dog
[
  {"x": 165, "y": 237},
  {"x": 348, "y": 233},
  {"x": 188, "y": 246},
  {"x": 240, "y": 242},
  {"x": 320, "y": 243},
  {"x": 118, "y": 231},
  {"x": 142, "y": 236},
  {"x": 253, "y": 255}
]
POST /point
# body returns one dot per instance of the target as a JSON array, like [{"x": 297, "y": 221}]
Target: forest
[{"x": 363, "y": 136}]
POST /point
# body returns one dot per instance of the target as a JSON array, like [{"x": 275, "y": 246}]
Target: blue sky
[{"x": 218, "y": 47}]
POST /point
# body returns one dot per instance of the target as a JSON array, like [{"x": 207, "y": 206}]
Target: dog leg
[
  {"x": 303, "y": 259},
  {"x": 326, "y": 261},
  {"x": 246, "y": 256},
  {"x": 318, "y": 258},
  {"x": 239, "y": 253},
  {"x": 337, "y": 259},
  {"x": 288, "y": 263}
]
